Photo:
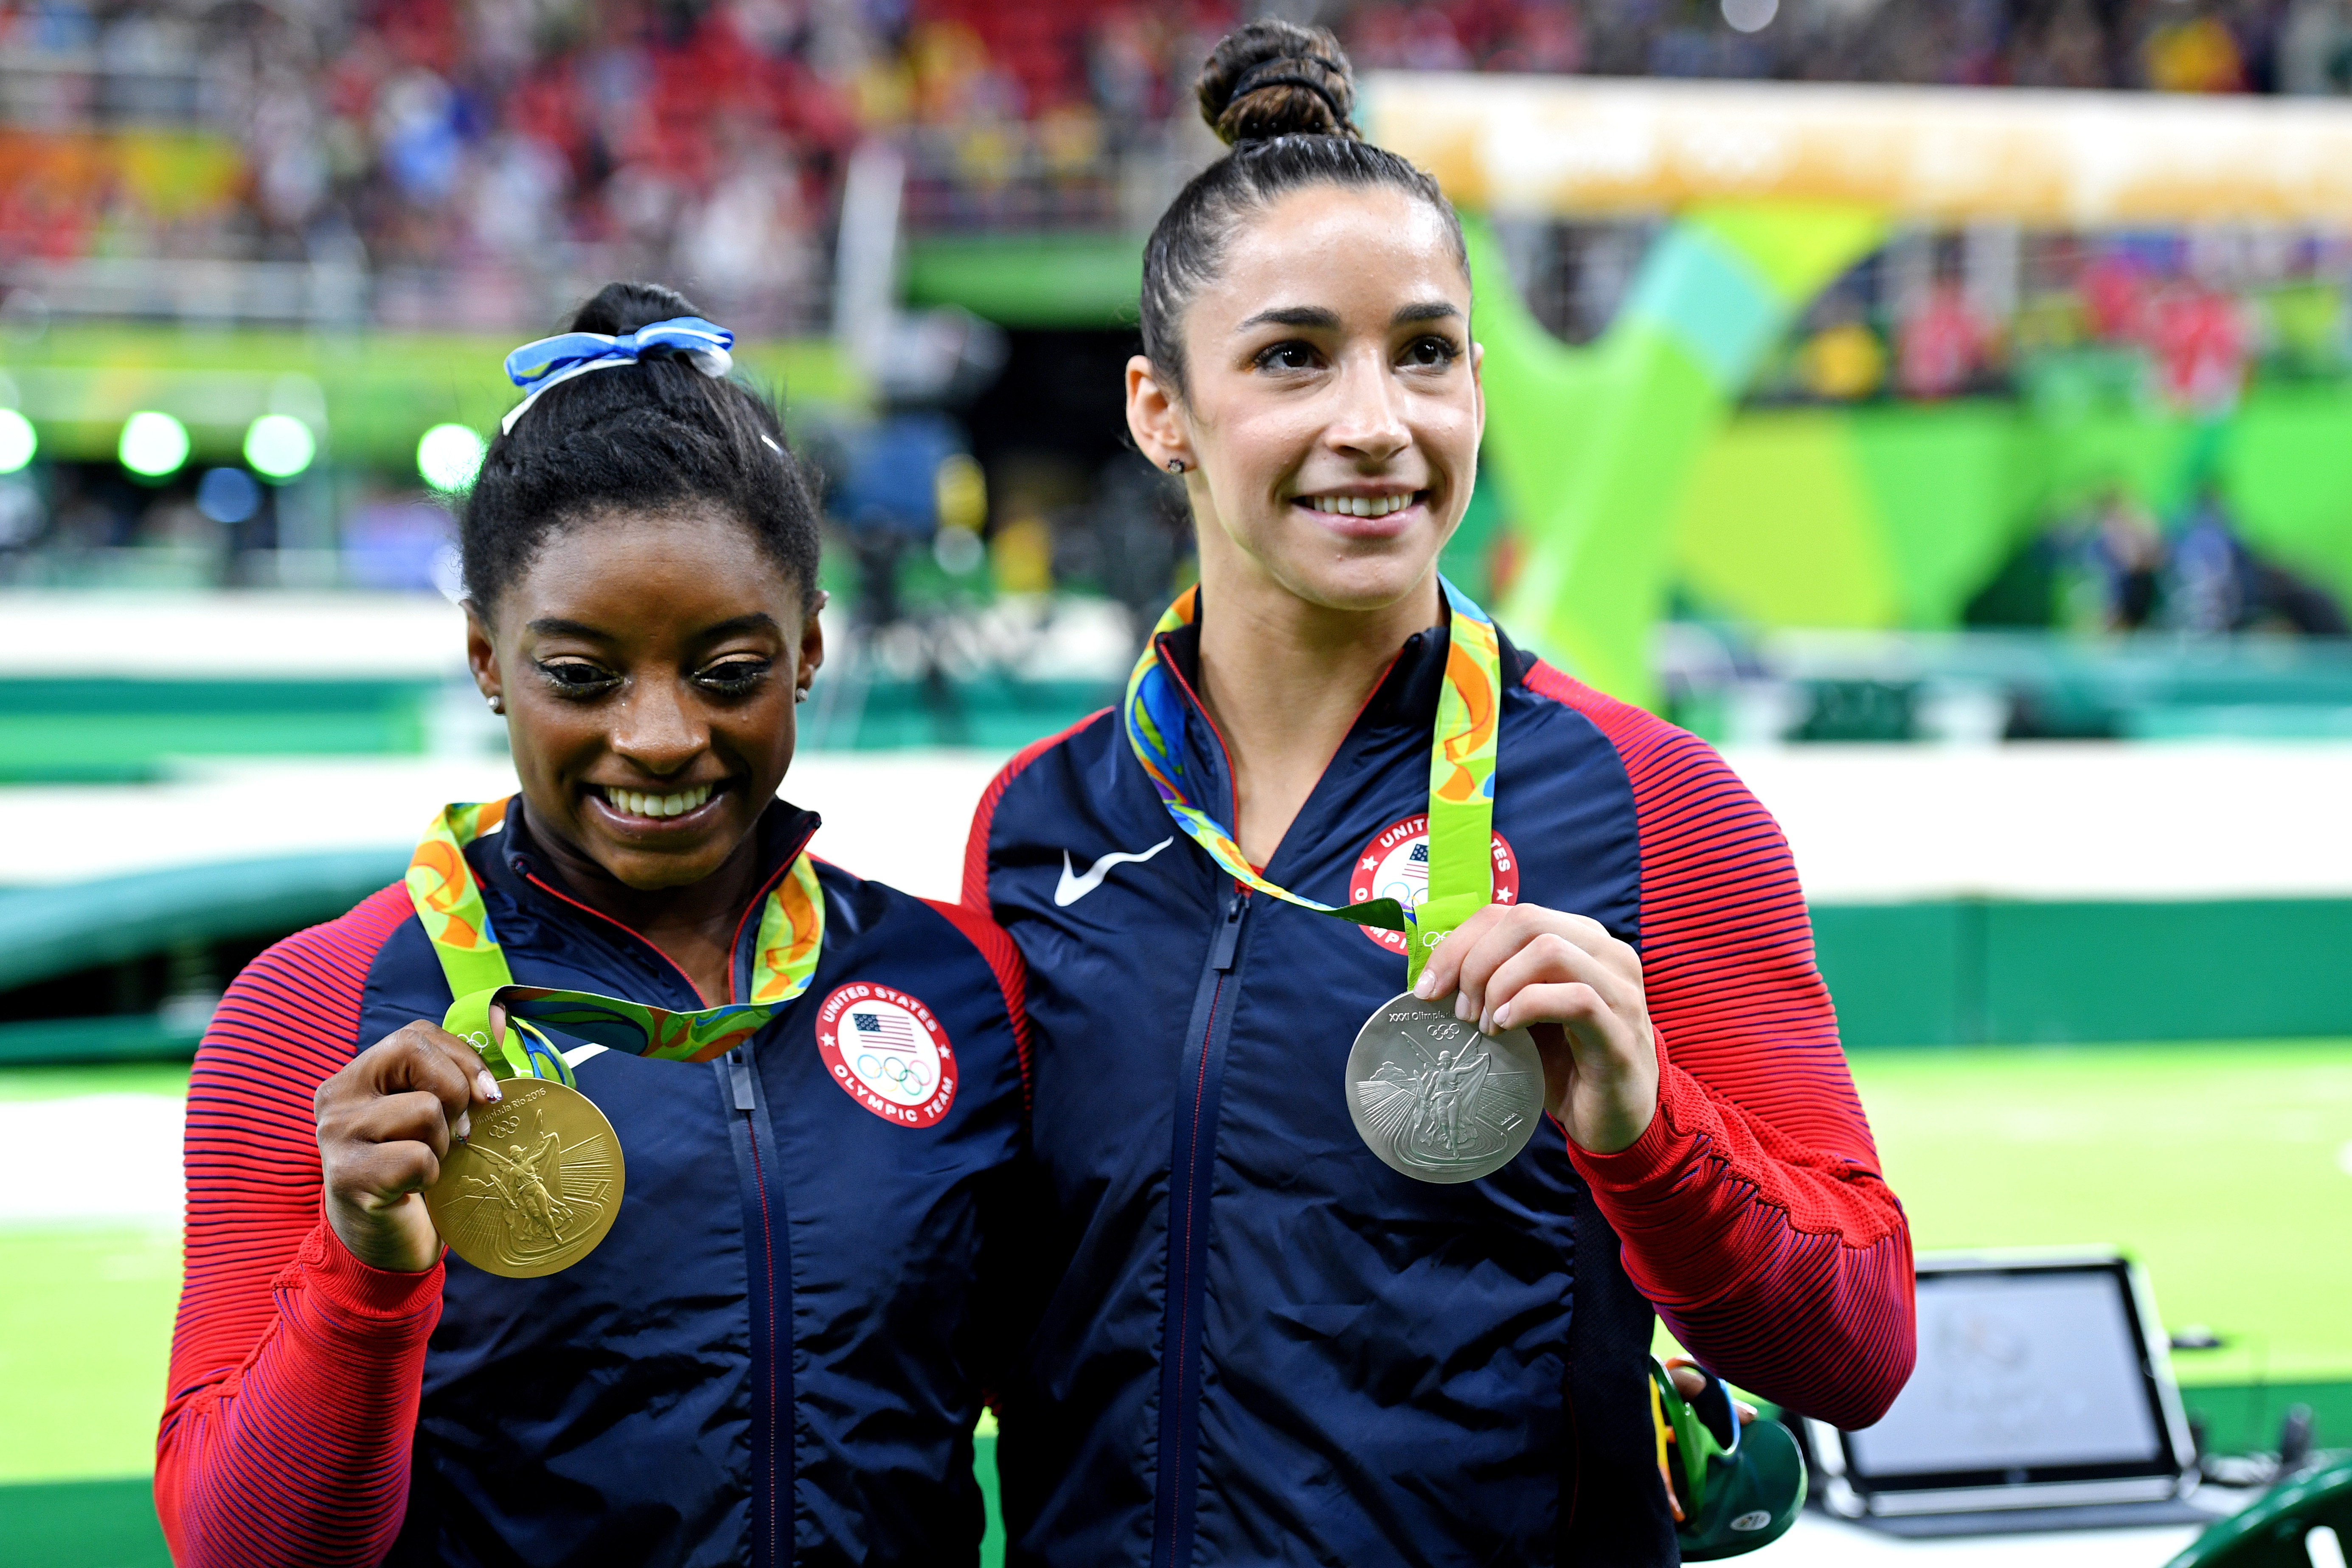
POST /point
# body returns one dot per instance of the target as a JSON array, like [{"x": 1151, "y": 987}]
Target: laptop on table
[{"x": 2042, "y": 1399}]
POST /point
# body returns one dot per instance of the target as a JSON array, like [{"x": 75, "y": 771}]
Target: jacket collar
[
  {"x": 522, "y": 868},
  {"x": 1406, "y": 695}
]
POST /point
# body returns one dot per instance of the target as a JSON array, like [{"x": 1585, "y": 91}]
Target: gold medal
[{"x": 535, "y": 1187}]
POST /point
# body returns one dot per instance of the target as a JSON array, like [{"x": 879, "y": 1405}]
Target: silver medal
[{"x": 1436, "y": 1100}]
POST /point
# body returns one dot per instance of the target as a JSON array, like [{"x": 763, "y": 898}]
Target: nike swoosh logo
[{"x": 1071, "y": 888}]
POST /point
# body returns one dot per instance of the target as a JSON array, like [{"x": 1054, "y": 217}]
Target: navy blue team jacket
[
  {"x": 777, "y": 1355},
  {"x": 1269, "y": 1347},
  {"x": 1266, "y": 1347}
]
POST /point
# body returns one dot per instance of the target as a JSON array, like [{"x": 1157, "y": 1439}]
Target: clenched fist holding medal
[
  {"x": 1547, "y": 1009},
  {"x": 1564, "y": 981},
  {"x": 440, "y": 1135}
]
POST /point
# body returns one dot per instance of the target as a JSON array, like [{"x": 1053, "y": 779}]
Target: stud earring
[
  {"x": 498, "y": 704},
  {"x": 800, "y": 694},
  {"x": 1175, "y": 464}
]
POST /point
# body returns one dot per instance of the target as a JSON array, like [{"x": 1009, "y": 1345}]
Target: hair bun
[
  {"x": 1270, "y": 77},
  {"x": 619, "y": 309}
]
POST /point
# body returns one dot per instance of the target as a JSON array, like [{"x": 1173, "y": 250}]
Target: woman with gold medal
[
  {"x": 1366, "y": 1220},
  {"x": 720, "y": 1137}
]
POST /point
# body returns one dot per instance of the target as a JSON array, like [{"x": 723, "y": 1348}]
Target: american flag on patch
[
  {"x": 883, "y": 1031},
  {"x": 1416, "y": 865}
]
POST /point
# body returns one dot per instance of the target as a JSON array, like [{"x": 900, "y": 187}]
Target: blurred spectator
[
  {"x": 2109, "y": 578},
  {"x": 2200, "y": 342},
  {"x": 2210, "y": 572},
  {"x": 396, "y": 542},
  {"x": 2115, "y": 287},
  {"x": 1941, "y": 346},
  {"x": 2215, "y": 584},
  {"x": 889, "y": 501},
  {"x": 1843, "y": 363},
  {"x": 2315, "y": 47},
  {"x": 2196, "y": 55}
]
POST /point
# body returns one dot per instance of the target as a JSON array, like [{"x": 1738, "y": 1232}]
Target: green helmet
[{"x": 1734, "y": 1488}]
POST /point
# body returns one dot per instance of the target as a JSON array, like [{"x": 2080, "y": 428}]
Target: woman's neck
[
  {"x": 693, "y": 925},
  {"x": 1285, "y": 679}
]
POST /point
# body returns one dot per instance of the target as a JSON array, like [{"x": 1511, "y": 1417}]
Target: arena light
[
  {"x": 278, "y": 447},
  {"x": 17, "y": 441},
  {"x": 449, "y": 456},
  {"x": 153, "y": 445}
]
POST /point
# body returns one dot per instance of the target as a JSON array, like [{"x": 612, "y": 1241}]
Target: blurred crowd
[
  {"x": 476, "y": 165},
  {"x": 706, "y": 142},
  {"x": 550, "y": 140},
  {"x": 2184, "y": 320}
]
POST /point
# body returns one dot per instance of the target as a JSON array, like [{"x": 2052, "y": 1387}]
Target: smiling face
[
  {"x": 1330, "y": 412},
  {"x": 648, "y": 663}
]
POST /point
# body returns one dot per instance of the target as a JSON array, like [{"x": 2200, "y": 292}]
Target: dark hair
[
  {"x": 1279, "y": 95},
  {"x": 657, "y": 434}
]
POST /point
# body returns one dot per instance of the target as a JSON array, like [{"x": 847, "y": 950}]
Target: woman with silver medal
[
  {"x": 1332, "y": 1286},
  {"x": 720, "y": 1137}
]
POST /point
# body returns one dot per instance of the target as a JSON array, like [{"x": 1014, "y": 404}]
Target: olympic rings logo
[{"x": 910, "y": 1076}]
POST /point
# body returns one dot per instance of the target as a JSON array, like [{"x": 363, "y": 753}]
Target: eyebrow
[
  {"x": 1293, "y": 316},
  {"x": 1317, "y": 316},
  {"x": 757, "y": 621},
  {"x": 556, "y": 626}
]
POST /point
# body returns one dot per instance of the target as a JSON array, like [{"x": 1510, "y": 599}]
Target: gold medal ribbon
[
  {"x": 1462, "y": 753},
  {"x": 448, "y": 900}
]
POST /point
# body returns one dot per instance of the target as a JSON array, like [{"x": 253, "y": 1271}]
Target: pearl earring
[
  {"x": 800, "y": 694},
  {"x": 498, "y": 704}
]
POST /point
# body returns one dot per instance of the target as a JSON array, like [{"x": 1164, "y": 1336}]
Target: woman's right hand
[{"x": 385, "y": 1122}]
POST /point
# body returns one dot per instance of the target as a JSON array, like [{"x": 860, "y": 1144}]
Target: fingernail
[
  {"x": 487, "y": 1085},
  {"x": 1425, "y": 987},
  {"x": 1463, "y": 1010},
  {"x": 464, "y": 1125},
  {"x": 1502, "y": 1019}
]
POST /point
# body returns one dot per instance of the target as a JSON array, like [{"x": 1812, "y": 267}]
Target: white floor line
[{"x": 1868, "y": 824}]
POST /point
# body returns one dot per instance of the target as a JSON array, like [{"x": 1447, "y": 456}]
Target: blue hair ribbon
[{"x": 551, "y": 361}]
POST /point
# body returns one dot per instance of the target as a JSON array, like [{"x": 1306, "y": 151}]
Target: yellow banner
[{"x": 1572, "y": 145}]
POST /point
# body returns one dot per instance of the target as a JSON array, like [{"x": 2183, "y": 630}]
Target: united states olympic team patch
[
  {"x": 884, "y": 1048},
  {"x": 1395, "y": 865}
]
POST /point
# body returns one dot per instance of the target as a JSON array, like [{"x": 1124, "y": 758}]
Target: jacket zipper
[
  {"x": 746, "y": 1105},
  {"x": 768, "y": 1549},
  {"x": 1187, "y": 1225}
]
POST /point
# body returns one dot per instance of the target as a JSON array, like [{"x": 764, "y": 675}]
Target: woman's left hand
[{"x": 1578, "y": 991}]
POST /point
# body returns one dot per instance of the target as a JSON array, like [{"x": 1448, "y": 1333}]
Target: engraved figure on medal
[
  {"x": 536, "y": 1188},
  {"x": 1436, "y": 1100}
]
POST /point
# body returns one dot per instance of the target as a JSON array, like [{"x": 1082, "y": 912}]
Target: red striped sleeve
[
  {"x": 1752, "y": 1211},
  {"x": 295, "y": 1368}
]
